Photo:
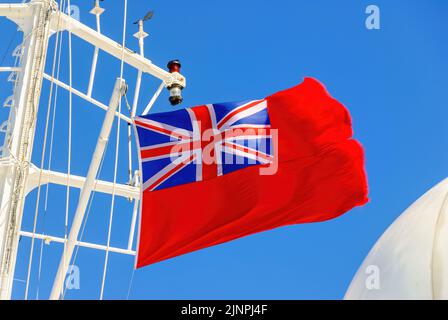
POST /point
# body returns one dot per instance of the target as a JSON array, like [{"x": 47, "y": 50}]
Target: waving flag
[
  {"x": 191, "y": 145},
  {"x": 217, "y": 172}
]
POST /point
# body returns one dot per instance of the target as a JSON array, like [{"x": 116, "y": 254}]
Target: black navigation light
[{"x": 175, "y": 88}]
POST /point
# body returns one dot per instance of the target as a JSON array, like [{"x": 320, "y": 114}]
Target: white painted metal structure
[
  {"x": 39, "y": 20},
  {"x": 87, "y": 188},
  {"x": 410, "y": 260}
]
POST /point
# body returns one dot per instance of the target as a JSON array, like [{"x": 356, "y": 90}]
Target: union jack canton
[{"x": 203, "y": 142}]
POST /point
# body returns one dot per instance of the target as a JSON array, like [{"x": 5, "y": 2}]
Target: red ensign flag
[{"x": 218, "y": 172}]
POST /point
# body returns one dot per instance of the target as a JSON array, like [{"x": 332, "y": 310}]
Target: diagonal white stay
[
  {"x": 119, "y": 90},
  {"x": 84, "y": 96}
]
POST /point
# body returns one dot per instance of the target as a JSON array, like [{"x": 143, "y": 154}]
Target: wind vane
[{"x": 141, "y": 34}]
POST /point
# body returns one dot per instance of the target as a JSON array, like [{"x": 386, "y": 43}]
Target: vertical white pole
[
  {"x": 97, "y": 11},
  {"x": 134, "y": 213},
  {"x": 19, "y": 139},
  {"x": 139, "y": 80},
  {"x": 140, "y": 35},
  {"x": 119, "y": 91}
]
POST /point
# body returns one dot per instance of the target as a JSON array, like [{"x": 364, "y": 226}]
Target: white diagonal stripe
[{"x": 243, "y": 114}]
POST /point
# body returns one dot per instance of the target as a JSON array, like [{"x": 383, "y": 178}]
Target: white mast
[
  {"x": 18, "y": 176},
  {"x": 19, "y": 139}
]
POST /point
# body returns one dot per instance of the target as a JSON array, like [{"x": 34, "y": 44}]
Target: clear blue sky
[{"x": 393, "y": 81}]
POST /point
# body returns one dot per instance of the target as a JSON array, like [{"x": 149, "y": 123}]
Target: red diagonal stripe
[
  {"x": 161, "y": 130},
  {"x": 256, "y": 153},
  {"x": 166, "y": 150}
]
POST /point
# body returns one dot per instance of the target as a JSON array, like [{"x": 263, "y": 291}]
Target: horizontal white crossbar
[
  {"x": 59, "y": 178},
  {"x": 9, "y": 69},
  {"x": 17, "y": 12},
  {"x": 101, "y": 247},
  {"x": 85, "y": 97},
  {"x": 64, "y": 22}
]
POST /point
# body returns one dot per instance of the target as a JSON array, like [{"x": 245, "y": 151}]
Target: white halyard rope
[
  {"x": 69, "y": 158},
  {"x": 111, "y": 216},
  {"x": 75, "y": 256},
  {"x": 50, "y": 155}
]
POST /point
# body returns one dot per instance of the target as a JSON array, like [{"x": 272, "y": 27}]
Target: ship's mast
[
  {"x": 18, "y": 175},
  {"x": 20, "y": 137}
]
